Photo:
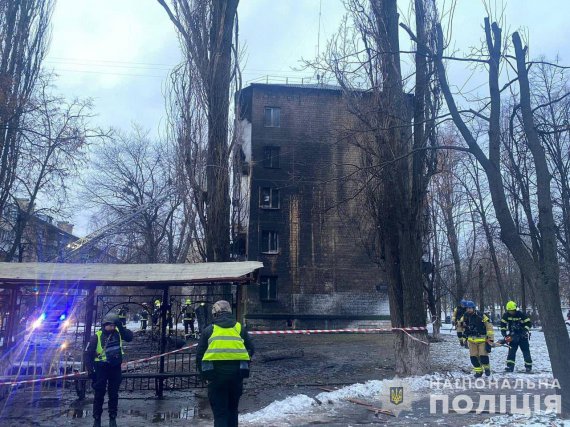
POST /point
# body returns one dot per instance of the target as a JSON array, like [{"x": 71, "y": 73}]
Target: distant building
[
  {"x": 44, "y": 240},
  {"x": 297, "y": 211}
]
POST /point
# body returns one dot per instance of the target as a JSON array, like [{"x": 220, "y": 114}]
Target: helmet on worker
[
  {"x": 110, "y": 321},
  {"x": 462, "y": 303},
  {"x": 511, "y": 306},
  {"x": 469, "y": 306},
  {"x": 220, "y": 307},
  {"x": 188, "y": 301},
  {"x": 157, "y": 303}
]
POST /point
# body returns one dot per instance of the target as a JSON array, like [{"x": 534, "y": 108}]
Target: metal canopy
[{"x": 127, "y": 274}]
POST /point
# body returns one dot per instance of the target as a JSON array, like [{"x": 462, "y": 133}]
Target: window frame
[
  {"x": 270, "y": 284},
  {"x": 273, "y": 195},
  {"x": 271, "y": 161},
  {"x": 271, "y": 123},
  {"x": 269, "y": 242}
]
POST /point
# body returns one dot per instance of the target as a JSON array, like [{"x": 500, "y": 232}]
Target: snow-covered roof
[{"x": 127, "y": 274}]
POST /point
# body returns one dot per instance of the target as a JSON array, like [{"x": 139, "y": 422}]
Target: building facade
[{"x": 297, "y": 211}]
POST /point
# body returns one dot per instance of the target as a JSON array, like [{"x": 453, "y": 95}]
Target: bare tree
[
  {"x": 24, "y": 37},
  {"x": 131, "y": 173},
  {"x": 396, "y": 139},
  {"x": 54, "y": 135},
  {"x": 543, "y": 274},
  {"x": 206, "y": 30}
]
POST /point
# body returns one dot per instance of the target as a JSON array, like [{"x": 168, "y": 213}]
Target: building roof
[{"x": 37, "y": 273}]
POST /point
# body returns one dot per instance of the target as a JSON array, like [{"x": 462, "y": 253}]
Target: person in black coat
[
  {"x": 103, "y": 358},
  {"x": 223, "y": 355}
]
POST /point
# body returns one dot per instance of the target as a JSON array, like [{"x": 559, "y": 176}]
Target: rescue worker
[
  {"x": 123, "y": 314},
  {"x": 156, "y": 312},
  {"x": 457, "y": 315},
  {"x": 103, "y": 358},
  {"x": 477, "y": 330},
  {"x": 515, "y": 327},
  {"x": 223, "y": 355},
  {"x": 144, "y": 316},
  {"x": 189, "y": 315}
]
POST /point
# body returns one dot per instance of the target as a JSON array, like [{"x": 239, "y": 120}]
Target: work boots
[
  {"x": 112, "y": 422},
  {"x": 528, "y": 369},
  {"x": 509, "y": 369},
  {"x": 97, "y": 422},
  {"x": 487, "y": 372}
]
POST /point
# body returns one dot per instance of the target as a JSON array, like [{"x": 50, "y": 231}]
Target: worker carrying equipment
[
  {"x": 515, "y": 326},
  {"x": 477, "y": 330},
  {"x": 223, "y": 354}
]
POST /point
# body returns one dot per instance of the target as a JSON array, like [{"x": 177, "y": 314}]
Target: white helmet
[{"x": 220, "y": 307}]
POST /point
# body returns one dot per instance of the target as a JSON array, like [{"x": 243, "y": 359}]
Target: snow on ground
[
  {"x": 449, "y": 362},
  {"x": 537, "y": 420}
]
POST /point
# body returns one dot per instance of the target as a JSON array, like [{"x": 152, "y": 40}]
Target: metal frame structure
[{"x": 85, "y": 279}]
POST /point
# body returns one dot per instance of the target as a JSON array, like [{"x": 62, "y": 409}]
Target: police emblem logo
[{"x": 396, "y": 395}]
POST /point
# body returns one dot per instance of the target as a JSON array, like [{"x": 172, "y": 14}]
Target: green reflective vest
[
  {"x": 226, "y": 344},
  {"x": 101, "y": 353}
]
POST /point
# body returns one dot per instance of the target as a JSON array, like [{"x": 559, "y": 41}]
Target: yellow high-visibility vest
[
  {"x": 226, "y": 344},
  {"x": 101, "y": 355}
]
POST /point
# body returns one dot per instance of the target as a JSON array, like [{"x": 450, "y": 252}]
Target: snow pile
[
  {"x": 279, "y": 410},
  {"x": 536, "y": 420}
]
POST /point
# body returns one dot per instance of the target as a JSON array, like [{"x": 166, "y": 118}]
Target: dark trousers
[
  {"x": 143, "y": 324},
  {"x": 107, "y": 379},
  {"x": 224, "y": 395},
  {"x": 188, "y": 322},
  {"x": 525, "y": 348}
]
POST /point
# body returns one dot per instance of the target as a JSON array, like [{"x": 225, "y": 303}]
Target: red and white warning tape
[
  {"x": 78, "y": 374},
  {"x": 125, "y": 365},
  {"x": 338, "y": 331}
]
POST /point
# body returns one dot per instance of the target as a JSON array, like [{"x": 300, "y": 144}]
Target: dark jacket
[
  {"x": 517, "y": 324},
  {"x": 225, "y": 367},
  {"x": 111, "y": 338}
]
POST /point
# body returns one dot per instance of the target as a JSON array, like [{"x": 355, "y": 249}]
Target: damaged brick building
[{"x": 296, "y": 211}]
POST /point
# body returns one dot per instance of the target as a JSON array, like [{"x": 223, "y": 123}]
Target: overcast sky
[{"x": 119, "y": 52}]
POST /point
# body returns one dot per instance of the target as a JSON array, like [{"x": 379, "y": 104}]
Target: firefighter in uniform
[
  {"x": 189, "y": 315},
  {"x": 515, "y": 327},
  {"x": 457, "y": 315},
  {"x": 144, "y": 316},
  {"x": 477, "y": 330},
  {"x": 103, "y": 358},
  {"x": 123, "y": 314},
  {"x": 223, "y": 355},
  {"x": 156, "y": 312}
]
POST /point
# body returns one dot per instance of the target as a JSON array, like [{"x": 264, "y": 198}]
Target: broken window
[
  {"x": 270, "y": 242},
  {"x": 269, "y": 198},
  {"x": 271, "y": 157},
  {"x": 272, "y": 117},
  {"x": 268, "y": 288}
]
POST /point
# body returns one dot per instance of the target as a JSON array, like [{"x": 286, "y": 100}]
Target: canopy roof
[{"x": 37, "y": 273}]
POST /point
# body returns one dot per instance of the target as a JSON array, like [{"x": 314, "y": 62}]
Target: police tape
[
  {"x": 339, "y": 331},
  {"x": 124, "y": 367}
]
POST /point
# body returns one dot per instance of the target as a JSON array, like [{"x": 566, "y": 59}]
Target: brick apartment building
[
  {"x": 296, "y": 211},
  {"x": 44, "y": 239}
]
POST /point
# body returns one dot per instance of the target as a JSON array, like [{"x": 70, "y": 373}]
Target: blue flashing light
[
  {"x": 43, "y": 316},
  {"x": 62, "y": 317}
]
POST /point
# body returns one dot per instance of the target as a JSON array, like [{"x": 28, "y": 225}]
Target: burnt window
[
  {"x": 270, "y": 242},
  {"x": 272, "y": 117},
  {"x": 268, "y": 288},
  {"x": 271, "y": 157},
  {"x": 269, "y": 198}
]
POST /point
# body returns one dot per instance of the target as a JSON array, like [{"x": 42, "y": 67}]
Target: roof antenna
[{"x": 319, "y": 33}]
